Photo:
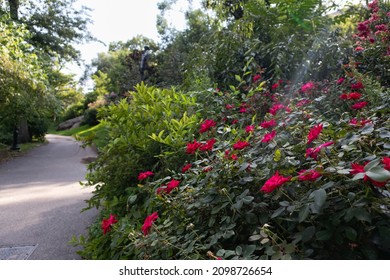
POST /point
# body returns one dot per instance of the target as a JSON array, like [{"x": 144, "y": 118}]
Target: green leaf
[
  {"x": 238, "y": 78},
  {"x": 358, "y": 176},
  {"x": 350, "y": 233},
  {"x": 303, "y": 213},
  {"x": 368, "y": 129},
  {"x": 378, "y": 174},
  {"x": 278, "y": 212},
  {"x": 308, "y": 233},
  {"x": 248, "y": 199},
  {"x": 249, "y": 250},
  {"x": 323, "y": 235},
  {"x": 251, "y": 218},
  {"x": 255, "y": 237},
  {"x": 372, "y": 164},
  {"x": 238, "y": 250},
  {"x": 384, "y": 134},
  {"x": 361, "y": 215},
  {"x": 319, "y": 199},
  {"x": 277, "y": 155}
]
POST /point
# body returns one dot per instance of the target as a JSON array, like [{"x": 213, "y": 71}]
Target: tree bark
[
  {"x": 14, "y": 9},
  {"x": 24, "y": 134}
]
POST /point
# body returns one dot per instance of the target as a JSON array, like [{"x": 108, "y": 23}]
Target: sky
[{"x": 121, "y": 20}]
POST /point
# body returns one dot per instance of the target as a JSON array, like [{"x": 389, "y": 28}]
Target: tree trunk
[
  {"x": 24, "y": 134},
  {"x": 14, "y": 9}
]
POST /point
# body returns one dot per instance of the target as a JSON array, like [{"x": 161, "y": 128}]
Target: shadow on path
[{"x": 41, "y": 199}]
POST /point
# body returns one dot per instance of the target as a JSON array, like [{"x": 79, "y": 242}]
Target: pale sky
[{"x": 121, "y": 20}]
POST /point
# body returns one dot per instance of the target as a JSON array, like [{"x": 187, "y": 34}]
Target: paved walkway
[{"x": 41, "y": 200}]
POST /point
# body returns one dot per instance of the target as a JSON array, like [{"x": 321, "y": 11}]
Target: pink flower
[
  {"x": 359, "y": 105},
  {"x": 326, "y": 144},
  {"x": 243, "y": 108},
  {"x": 192, "y": 147},
  {"x": 208, "y": 146},
  {"x": 303, "y": 102},
  {"x": 144, "y": 175},
  {"x": 268, "y": 136},
  {"x": 352, "y": 95},
  {"x": 357, "y": 168},
  {"x": 249, "y": 128},
  {"x": 267, "y": 124},
  {"x": 275, "y": 181},
  {"x": 386, "y": 162},
  {"x": 234, "y": 157},
  {"x": 340, "y": 81},
  {"x": 275, "y": 108},
  {"x": 308, "y": 175},
  {"x": 206, "y": 125},
  {"x": 313, "y": 152},
  {"x": 240, "y": 145},
  {"x": 169, "y": 187},
  {"x": 256, "y": 78},
  {"x": 307, "y": 87},
  {"x": 186, "y": 168},
  {"x": 362, "y": 122},
  {"x": 207, "y": 169},
  {"x": 229, "y": 106},
  {"x": 358, "y": 85},
  {"x": 313, "y": 133},
  {"x": 107, "y": 223},
  {"x": 148, "y": 222},
  {"x": 359, "y": 49}
]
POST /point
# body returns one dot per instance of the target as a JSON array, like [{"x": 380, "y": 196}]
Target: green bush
[
  {"x": 275, "y": 171},
  {"x": 73, "y": 111},
  {"x": 90, "y": 117},
  {"x": 146, "y": 131}
]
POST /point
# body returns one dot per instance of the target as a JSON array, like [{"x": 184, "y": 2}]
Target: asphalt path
[{"x": 41, "y": 199}]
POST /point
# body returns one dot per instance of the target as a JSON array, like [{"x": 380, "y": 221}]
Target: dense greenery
[
  {"x": 37, "y": 38},
  {"x": 287, "y": 159}
]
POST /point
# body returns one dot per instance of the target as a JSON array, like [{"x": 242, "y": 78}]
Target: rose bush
[{"x": 293, "y": 171}]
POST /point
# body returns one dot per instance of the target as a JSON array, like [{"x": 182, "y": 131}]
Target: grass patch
[
  {"x": 89, "y": 135},
  {"x": 70, "y": 132},
  {"x": 96, "y": 135},
  {"x": 7, "y": 154}
]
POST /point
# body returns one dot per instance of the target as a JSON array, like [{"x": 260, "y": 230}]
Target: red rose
[
  {"x": 358, "y": 85},
  {"x": 307, "y": 87},
  {"x": 359, "y": 105},
  {"x": 206, "y": 125},
  {"x": 256, "y": 78},
  {"x": 240, "y": 145},
  {"x": 313, "y": 133},
  {"x": 208, "y": 146},
  {"x": 148, "y": 222},
  {"x": 192, "y": 147},
  {"x": 169, "y": 187},
  {"x": 106, "y": 223},
  {"x": 267, "y": 124},
  {"x": 386, "y": 162},
  {"x": 186, "y": 168},
  {"x": 144, "y": 175},
  {"x": 275, "y": 181},
  {"x": 308, "y": 175},
  {"x": 268, "y": 137},
  {"x": 249, "y": 128}
]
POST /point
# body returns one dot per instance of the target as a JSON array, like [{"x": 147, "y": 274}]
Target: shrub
[{"x": 90, "y": 117}]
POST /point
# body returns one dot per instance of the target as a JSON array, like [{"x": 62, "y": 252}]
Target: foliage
[
  {"x": 254, "y": 170},
  {"x": 23, "y": 88},
  {"x": 54, "y": 26},
  {"x": 325, "y": 209},
  {"x": 372, "y": 51}
]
